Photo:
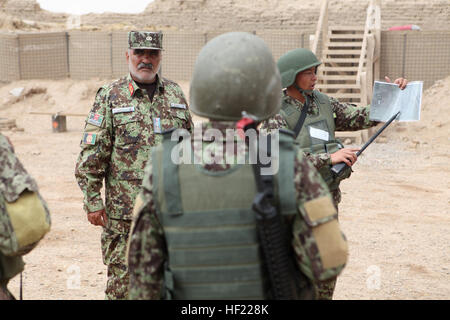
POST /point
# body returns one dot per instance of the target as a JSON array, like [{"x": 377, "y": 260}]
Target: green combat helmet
[
  {"x": 293, "y": 62},
  {"x": 145, "y": 40},
  {"x": 235, "y": 72}
]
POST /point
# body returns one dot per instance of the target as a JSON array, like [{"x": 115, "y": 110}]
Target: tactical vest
[
  {"x": 210, "y": 227},
  {"x": 317, "y": 133}
]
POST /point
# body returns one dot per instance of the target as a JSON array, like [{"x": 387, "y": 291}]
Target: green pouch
[
  {"x": 322, "y": 246},
  {"x": 23, "y": 223}
]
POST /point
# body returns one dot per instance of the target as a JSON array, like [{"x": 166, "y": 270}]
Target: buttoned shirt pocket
[
  {"x": 128, "y": 128},
  {"x": 179, "y": 118}
]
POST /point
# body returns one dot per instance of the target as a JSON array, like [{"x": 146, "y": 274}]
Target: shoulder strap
[
  {"x": 286, "y": 186},
  {"x": 301, "y": 120},
  {"x": 171, "y": 179},
  {"x": 273, "y": 238}
]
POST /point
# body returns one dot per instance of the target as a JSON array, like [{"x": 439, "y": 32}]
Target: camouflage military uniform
[
  {"x": 347, "y": 117},
  {"x": 120, "y": 130},
  {"x": 147, "y": 249},
  {"x": 14, "y": 180}
]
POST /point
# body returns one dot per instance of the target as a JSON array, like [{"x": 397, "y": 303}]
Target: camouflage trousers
[
  {"x": 114, "y": 245},
  {"x": 325, "y": 289}
]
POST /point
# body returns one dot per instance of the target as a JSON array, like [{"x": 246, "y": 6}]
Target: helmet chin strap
[{"x": 305, "y": 93}]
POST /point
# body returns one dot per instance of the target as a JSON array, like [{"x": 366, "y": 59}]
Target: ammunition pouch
[
  {"x": 321, "y": 244},
  {"x": 24, "y": 222}
]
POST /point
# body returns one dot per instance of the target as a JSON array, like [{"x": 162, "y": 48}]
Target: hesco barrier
[
  {"x": 416, "y": 55},
  {"x": 9, "y": 58},
  {"x": 423, "y": 55}
]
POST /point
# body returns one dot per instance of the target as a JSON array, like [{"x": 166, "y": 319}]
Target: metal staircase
[{"x": 350, "y": 60}]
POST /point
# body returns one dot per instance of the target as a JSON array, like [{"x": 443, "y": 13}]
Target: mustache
[{"x": 145, "y": 65}]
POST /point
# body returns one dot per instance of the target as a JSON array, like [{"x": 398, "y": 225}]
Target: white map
[{"x": 388, "y": 99}]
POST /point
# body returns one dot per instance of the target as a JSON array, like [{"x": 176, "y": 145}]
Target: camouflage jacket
[
  {"x": 147, "y": 252},
  {"x": 120, "y": 130},
  {"x": 347, "y": 117},
  {"x": 14, "y": 179}
]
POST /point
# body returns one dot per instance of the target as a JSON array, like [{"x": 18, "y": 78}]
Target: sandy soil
[{"x": 395, "y": 208}]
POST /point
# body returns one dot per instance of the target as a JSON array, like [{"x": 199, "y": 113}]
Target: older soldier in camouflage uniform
[
  {"x": 14, "y": 181},
  {"x": 127, "y": 118},
  {"x": 324, "y": 115},
  {"x": 234, "y": 72}
]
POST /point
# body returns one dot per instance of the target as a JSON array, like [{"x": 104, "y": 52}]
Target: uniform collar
[
  {"x": 133, "y": 87},
  {"x": 221, "y": 126},
  {"x": 215, "y": 144},
  {"x": 288, "y": 99}
]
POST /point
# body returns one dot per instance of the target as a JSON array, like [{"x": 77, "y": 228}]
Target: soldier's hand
[
  {"x": 98, "y": 218},
  {"x": 401, "y": 82},
  {"x": 346, "y": 155}
]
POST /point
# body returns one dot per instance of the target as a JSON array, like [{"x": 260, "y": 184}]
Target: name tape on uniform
[
  {"x": 319, "y": 134},
  {"x": 121, "y": 110},
  {"x": 178, "y": 105}
]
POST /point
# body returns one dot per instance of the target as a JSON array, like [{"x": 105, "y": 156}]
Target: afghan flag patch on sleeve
[
  {"x": 95, "y": 119},
  {"x": 89, "y": 138}
]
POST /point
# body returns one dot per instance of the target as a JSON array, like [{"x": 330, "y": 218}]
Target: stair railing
[
  {"x": 370, "y": 51},
  {"x": 322, "y": 27}
]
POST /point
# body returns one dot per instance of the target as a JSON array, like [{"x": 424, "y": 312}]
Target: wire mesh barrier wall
[
  {"x": 119, "y": 47},
  {"x": 180, "y": 52},
  {"x": 416, "y": 55},
  {"x": 391, "y": 63},
  {"x": 9, "y": 57},
  {"x": 281, "y": 42},
  {"x": 43, "y": 56},
  {"x": 423, "y": 55},
  {"x": 427, "y": 56},
  {"x": 90, "y": 54}
]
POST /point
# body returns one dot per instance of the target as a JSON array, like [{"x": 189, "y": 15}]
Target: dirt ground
[{"x": 395, "y": 208}]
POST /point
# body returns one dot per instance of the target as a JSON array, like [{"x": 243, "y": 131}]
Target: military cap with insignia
[{"x": 145, "y": 40}]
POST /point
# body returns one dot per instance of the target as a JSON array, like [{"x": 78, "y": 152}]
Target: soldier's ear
[{"x": 127, "y": 55}]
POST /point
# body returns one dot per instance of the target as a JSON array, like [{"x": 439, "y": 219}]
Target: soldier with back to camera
[{"x": 199, "y": 228}]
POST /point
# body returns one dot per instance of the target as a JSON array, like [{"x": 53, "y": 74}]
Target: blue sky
[{"x": 95, "y": 6}]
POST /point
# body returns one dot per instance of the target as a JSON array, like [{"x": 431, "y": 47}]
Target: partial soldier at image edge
[{"x": 24, "y": 216}]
